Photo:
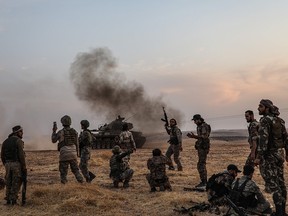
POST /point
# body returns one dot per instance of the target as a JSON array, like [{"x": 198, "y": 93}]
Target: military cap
[{"x": 233, "y": 167}]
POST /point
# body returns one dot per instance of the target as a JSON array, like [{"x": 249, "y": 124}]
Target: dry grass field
[{"x": 47, "y": 196}]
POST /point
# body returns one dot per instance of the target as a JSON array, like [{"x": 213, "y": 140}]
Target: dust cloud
[{"x": 109, "y": 93}]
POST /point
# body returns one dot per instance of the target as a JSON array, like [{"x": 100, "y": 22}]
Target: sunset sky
[{"x": 216, "y": 58}]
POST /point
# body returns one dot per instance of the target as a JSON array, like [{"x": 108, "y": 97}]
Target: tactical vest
[
  {"x": 70, "y": 138},
  {"x": 173, "y": 136},
  {"x": 11, "y": 149},
  {"x": 278, "y": 134}
]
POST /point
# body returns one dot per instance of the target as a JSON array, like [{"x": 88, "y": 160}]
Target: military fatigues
[
  {"x": 174, "y": 147},
  {"x": 271, "y": 160},
  {"x": 222, "y": 187},
  {"x": 126, "y": 141},
  {"x": 157, "y": 176},
  {"x": 254, "y": 199},
  {"x": 67, "y": 145},
  {"x": 120, "y": 169},
  {"x": 13, "y": 157},
  {"x": 202, "y": 145},
  {"x": 85, "y": 144},
  {"x": 253, "y": 137}
]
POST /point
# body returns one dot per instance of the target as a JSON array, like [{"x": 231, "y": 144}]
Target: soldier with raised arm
[{"x": 175, "y": 146}]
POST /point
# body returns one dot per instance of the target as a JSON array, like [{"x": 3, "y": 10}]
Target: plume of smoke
[{"x": 108, "y": 93}]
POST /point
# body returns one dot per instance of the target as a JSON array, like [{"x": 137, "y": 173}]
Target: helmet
[
  {"x": 2, "y": 183},
  {"x": 116, "y": 149},
  {"x": 85, "y": 123},
  {"x": 66, "y": 120}
]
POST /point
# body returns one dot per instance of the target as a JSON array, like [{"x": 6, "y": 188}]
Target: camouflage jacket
[
  {"x": 85, "y": 139},
  {"x": 203, "y": 132},
  {"x": 251, "y": 189},
  {"x": 118, "y": 164},
  {"x": 126, "y": 140},
  {"x": 253, "y": 128},
  {"x": 175, "y": 135},
  {"x": 266, "y": 141},
  {"x": 157, "y": 166}
]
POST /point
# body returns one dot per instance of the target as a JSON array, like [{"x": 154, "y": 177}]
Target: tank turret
[{"x": 107, "y": 135}]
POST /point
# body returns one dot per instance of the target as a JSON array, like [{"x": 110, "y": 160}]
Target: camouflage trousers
[
  {"x": 174, "y": 149},
  {"x": 13, "y": 180},
  {"x": 272, "y": 171},
  {"x": 158, "y": 182},
  {"x": 84, "y": 158},
  {"x": 201, "y": 165},
  {"x": 124, "y": 176},
  {"x": 63, "y": 168}
]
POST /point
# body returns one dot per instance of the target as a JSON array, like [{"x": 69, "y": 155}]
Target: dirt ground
[{"x": 47, "y": 196}]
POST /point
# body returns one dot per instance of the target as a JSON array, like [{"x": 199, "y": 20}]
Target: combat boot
[
  {"x": 13, "y": 202},
  {"x": 180, "y": 168},
  {"x": 153, "y": 189},
  {"x": 171, "y": 168},
  {"x": 116, "y": 184},
  {"x": 8, "y": 202},
  {"x": 126, "y": 184},
  {"x": 162, "y": 188}
]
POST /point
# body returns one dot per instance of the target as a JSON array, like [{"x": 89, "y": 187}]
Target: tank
[{"x": 107, "y": 135}]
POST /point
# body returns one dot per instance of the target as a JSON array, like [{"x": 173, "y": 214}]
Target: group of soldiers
[
  {"x": 267, "y": 140},
  {"x": 268, "y": 150}
]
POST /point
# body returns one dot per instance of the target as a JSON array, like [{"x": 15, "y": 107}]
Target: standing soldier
[
  {"x": 270, "y": 155},
  {"x": 202, "y": 145},
  {"x": 175, "y": 144},
  {"x": 13, "y": 158},
  {"x": 68, "y": 146},
  {"x": 252, "y": 136},
  {"x": 157, "y": 176},
  {"x": 85, "y": 144},
  {"x": 126, "y": 139}
]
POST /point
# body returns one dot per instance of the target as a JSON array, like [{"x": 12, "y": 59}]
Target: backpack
[
  {"x": 278, "y": 132},
  {"x": 219, "y": 189},
  {"x": 236, "y": 195}
]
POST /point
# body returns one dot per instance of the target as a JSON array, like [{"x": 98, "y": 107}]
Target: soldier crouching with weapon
[{"x": 175, "y": 142}]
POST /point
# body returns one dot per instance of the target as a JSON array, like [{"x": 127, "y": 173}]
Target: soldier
[
  {"x": 253, "y": 136},
  {"x": 126, "y": 139},
  {"x": 270, "y": 155},
  {"x": 119, "y": 169},
  {"x": 219, "y": 184},
  {"x": 202, "y": 145},
  {"x": 85, "y": 144},
  {"x": 68, "y": 146},
  {"x": 175, "y": 144},
  {"x": 157, "y": 176},
  {"x": 13, "y": 158},
  {"x": 250, "y": 197}
]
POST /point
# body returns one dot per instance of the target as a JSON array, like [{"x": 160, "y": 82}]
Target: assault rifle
[
  {"x": 24, "y": 186},
  {"x": 165, "y": 119},
  {"x": 240, "y": 211},
  {"x": 201, "y": 207}
]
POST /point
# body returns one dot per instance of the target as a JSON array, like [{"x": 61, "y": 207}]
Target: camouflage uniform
[
  {"x": 253, "y": 136},
  {"x": 67, "y": 145},
  {"x": 13, "y": 157},
  {"x": 174, "y": 147},
  {"x": 223, "y": 185},
  {"x": 85, "y": 143},
  {"x": 271, "y": 160},
  {"x": 126, "y": 140},
  {"x": 202, "y": 145},
  {"x": 157, "y": 176},
  {"x": 254, "y": 198},
  {"x": 119, "y": 168}
]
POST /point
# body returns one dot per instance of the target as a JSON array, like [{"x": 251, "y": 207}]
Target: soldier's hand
[
  {"x": 191, "y": 135},
  {"x": 180, "y": 148},
  {"x": 252, "y": 156}
]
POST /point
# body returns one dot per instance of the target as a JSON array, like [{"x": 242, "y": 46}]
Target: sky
[{"x": 215, "y": 58}]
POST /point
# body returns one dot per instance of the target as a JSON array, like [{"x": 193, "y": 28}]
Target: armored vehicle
[{"x": 107, "y": 136}]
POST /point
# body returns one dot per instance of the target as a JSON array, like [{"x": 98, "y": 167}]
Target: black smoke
[{"x": 108, "y": 93}]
